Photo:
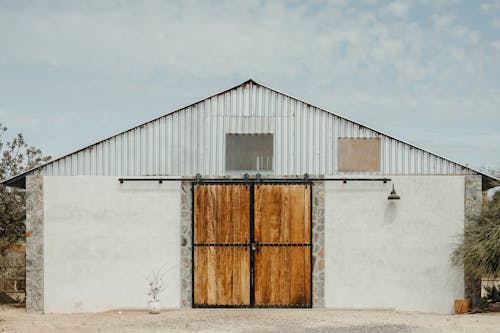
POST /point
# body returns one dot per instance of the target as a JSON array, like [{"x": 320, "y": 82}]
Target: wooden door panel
[
  {"x": 221, "y": 214},
  {"x": 282, "y": 214},
  {"x": 221, "y": 218},
  {"x": 282, "y": 270},
  {"x": 300, "y": 214},
  {"x": 221, "y": 275},
  {"x": 282, "y": 275}
]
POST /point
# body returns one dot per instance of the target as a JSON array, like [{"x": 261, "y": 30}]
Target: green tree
[
  {"x": 479, "y": 250},
  {"x": 15, "y": 157}
]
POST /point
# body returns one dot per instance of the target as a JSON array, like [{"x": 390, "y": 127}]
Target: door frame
[{"x": 252, "y": 183}]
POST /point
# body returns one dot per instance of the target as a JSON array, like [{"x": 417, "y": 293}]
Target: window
[
  {"x": 358, "y": 154},
  {"x": 245, "y": 152}
]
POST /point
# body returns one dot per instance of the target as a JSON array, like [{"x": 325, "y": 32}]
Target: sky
[{"x": 425, "y": 71}]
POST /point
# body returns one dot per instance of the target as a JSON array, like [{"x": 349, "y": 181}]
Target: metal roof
[{"x": 190, "y": 140}]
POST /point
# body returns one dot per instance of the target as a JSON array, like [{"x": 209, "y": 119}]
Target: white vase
[{"x": 154, "y": 307}]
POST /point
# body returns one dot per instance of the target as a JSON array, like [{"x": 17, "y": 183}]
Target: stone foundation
[
  {"x": 34, "y": 244},
  {"x": 318, "y": 236},
  {"x": 186, "y": 248}
]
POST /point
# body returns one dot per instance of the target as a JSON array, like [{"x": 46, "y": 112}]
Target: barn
[{"x": 248, "y": 198}]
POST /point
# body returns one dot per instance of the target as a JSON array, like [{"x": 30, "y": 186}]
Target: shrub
[{"x": 479, "y": 250}]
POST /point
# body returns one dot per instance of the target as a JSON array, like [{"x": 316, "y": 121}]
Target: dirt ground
[{"x": 13, "y": 320}]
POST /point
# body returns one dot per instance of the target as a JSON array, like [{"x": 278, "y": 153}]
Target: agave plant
[{"x": 479, "y": 250}]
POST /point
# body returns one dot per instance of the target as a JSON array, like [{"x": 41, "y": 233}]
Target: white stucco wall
[
  {"x": 393, "y": 254},
  {"x": 102, "y": 239}
]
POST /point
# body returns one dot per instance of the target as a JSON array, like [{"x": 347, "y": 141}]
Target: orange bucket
[{"x": 462, "y": 306}]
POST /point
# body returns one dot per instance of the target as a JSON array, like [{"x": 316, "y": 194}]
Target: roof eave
[
  {"x": 489, "y": 181},
  {"x": 16, "y": 181}
]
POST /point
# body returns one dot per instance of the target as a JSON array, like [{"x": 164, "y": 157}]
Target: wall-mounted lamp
[{"x": 393, "y": 195}]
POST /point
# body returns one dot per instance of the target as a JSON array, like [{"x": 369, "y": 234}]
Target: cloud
[
  {"x": 495, "y": 22},
  {"x": 496, "y": 45},
  {"x": 119, "y": 63},
  {"x": 398, "y": 8},
  {"x": 441, "y": 21},
  {"x": 490, "y": 6},
  {"x": 200, "y": 40},
  {"x": 466, "y": 34}
]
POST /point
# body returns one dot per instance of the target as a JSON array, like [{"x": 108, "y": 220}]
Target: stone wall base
[{"x": 34, "y": 244}]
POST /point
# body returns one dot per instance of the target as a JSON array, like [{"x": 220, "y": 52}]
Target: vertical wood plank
[
  {"x": 200, "y": 275},
  {"x": 297, "y": 273},
  {"x": 259, "y": 196},
  {"x": 244, "y": 213},
  {"x": 285, "y": 216},
  {"x": 223, "y": 278},
  {"x": 236, "y": 276},
  {"x": 307, "y": 275},
  {"x": 273, "y": 215},
  {"x": 296, "y": 208},
  {"x": 211, "y": 276},
  {"x": 199, "y": 214},
  {"x": 274, "y": 282},
  {"x": 223, "y": 229},
  {"x": 307, "y": 213},
  {"x": 285, "y": 276},
  {"x": 234, "y": 214},
  {"x": 245, "y": 276},
  {"x": 211, "y": 214}
]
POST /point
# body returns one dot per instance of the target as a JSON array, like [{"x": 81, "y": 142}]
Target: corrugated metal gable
[{"x": 191, "y": 140}]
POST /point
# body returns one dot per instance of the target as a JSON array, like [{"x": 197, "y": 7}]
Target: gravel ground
[{"x": 14, "y": 320}]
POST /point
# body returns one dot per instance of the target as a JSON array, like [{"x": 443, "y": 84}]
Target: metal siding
[{"x": 192, "y": 140}]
